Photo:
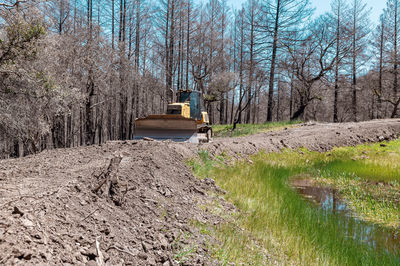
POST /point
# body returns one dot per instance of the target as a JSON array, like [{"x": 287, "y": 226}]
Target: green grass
[
  {"x": 275, "y": 225},
  {"x": 249, "y": 129},
  {"x": 368, "y": 177},
  {"x": 183, "y": 252}
]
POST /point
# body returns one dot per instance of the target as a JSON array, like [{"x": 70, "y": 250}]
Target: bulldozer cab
[
  {"x": 193, "y": 99},
  {"x": 182, "y": 109}
]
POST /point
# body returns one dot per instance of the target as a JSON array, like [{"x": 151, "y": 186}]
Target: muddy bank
[{"x": 70, "y": 206}]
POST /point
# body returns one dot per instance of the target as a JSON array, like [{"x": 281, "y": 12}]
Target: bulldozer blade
[{"x": 164, "y": 127}]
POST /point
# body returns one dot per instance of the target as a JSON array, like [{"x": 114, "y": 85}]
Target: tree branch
[{"x": 13, "y": 5}]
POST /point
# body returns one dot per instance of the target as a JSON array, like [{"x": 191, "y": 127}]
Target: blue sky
[
  {"x": 322, "y": 6},
  {"x": 376, "y": 6}
]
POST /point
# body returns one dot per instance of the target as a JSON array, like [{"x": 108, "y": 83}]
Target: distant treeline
[{"x": 77, "y": 72}]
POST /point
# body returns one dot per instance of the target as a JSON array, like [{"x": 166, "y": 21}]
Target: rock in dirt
[
  {"x": 164, "y": 243},
  {"x": 17, "y": 211},
  {"x": 90, "y": 253},
  {"x": 147, "y": 247},
  {"x": 27, "y": 223},
  {"x": 142, "y": 256}
]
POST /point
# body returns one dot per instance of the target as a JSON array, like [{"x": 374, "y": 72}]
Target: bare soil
[{"x": 134, "y": 202}]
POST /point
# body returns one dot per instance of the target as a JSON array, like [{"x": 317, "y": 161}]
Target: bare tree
[
  {"x": 390, "y": 55},
  {"x": 360, "y": 29},
  {"x": 312, "y": 60},
  {"x": 338, "y": 17},
  {"x": 282, "y": 17}
]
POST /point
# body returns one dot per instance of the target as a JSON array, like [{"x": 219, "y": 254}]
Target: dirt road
[{"x": 72, "y": 206}]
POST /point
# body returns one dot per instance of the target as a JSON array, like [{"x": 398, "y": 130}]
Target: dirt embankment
[
  {"x": 318, "y": 137},
  {"x": 133, "y": 202}
]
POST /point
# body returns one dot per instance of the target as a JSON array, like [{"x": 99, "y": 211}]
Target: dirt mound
[
  {"x": 314, "y": 136},
  {"x": 135, "y": 198},
  {"x": 133, "y": 202}
]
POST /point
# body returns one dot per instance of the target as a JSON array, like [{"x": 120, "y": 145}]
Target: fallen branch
[
  {"x": 121, "y": 250},
  {"x": 90, "y": 214},
  {"x": 100, "y": 257},
  {"x": 100, "y": 185}
]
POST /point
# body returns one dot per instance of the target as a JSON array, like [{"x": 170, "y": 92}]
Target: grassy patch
[
  {"x": 183, "y": 253},
  {"x": 367, "y": 177},
  {"x": 276, "y": 225},
  {"x": 249, "y": 129}
]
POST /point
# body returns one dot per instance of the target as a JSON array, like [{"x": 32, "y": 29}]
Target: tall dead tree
[
  {"x": 251, "y": 24},
  {"x": 282, "y": 17},
  {"x": 312, "y": 60},
  {"x": 390, "y": 52},
  {"x": 379, "y": 40},
  {"x": 360, "y": 29},
  {"x": 338, "y": 18}
]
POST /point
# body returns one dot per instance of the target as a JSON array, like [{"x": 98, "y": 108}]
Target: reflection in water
[{"x": 376, "y": 236}]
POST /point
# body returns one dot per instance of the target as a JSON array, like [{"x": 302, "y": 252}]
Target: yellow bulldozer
[{"x": 183, "y": 122}]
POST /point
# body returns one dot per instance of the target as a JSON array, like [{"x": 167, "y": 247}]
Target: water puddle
[{"x": 328, "y": 200}]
